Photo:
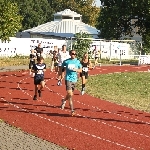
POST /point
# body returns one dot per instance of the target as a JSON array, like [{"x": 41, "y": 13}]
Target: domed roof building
[{"x": 65, "y": 25}]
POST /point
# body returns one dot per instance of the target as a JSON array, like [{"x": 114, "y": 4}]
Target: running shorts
[
  {"x": 70, "y": 85},
  {"x": 31, "y": 64},
  {"x": 83, "y": 73},
  {"x": 38, "y": 79}
]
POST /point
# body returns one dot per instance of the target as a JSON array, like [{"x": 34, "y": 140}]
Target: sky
[{"x": 98, "y": 3}]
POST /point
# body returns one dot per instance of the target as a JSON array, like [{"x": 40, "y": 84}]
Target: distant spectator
[
  {"x": 32, "y": 60},
  {"x": 96, "y": 56}
]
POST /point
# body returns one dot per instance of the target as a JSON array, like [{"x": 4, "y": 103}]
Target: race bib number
[
  {"x": 40, "y": 72},
  {"x": 85, "y": 69},
  {"x": 71, "y": 66}
]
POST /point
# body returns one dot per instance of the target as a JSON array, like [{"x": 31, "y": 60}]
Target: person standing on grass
[
  {"x": 96, "y": 57},
  {"x": 39, "y": 50},
  {"x": 86, "y": 64},
  {"x": 62, "y": 55},
  {"x": 72, "y": 66},
  {"x": 32, "y": 60},
  {"x": 39, "y": 68}
]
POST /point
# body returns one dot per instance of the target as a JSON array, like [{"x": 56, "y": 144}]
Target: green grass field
[
  {"x": 24, "y": 60},
  {"x": 127, "y": 89},
  {"x": 17, "y": 61}
]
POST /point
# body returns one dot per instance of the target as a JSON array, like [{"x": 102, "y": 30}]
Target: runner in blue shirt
[{"x": 71, "y": 66}]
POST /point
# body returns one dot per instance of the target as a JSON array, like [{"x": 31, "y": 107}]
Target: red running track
[{"x": 98, "y": 124}]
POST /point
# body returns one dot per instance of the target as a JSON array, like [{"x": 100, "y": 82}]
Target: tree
[
  {"x": 114, "y": 20},
  {"x": 35, "y": 12},
  {"x": 81, "y": 45},
  {"x": 86, "y": 8},
  {"x": 115, "y": 17},
  {"x": 10, "y": 20}
]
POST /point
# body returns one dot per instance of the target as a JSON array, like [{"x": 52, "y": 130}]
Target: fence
[
  {"x": 22, "y": 46},
  {"x": 144, "y": 60},
  {"x": 112, "y": 50}
]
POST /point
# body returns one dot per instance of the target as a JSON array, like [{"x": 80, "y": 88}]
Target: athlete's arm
[
  {"x": 34, "y": 70},
  {"x": 78, "y": 70},
  {"x": 35, "y": 50},
  {"x": 34, "y": 57},
  {"x": 41, "y": 50},
  {"x": 58, "y": 57},
  {"x": 44, "y": 68},
  {"x": 90, "y": 64},
  {"x": 63, "y": 66}
]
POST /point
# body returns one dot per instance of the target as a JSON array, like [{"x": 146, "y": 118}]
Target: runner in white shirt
[{"x": 62, "y": 55}]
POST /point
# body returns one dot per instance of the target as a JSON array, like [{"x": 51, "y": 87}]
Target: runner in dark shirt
[
  {"x": 39, "y": 50},
  {"x": 39, "y": 70},
  {"x": 86, "y": 64}
]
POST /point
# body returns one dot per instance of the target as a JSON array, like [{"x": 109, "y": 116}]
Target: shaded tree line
[
  {"x": 27, "y": 14},
  {"x": 114, "y": 20}
]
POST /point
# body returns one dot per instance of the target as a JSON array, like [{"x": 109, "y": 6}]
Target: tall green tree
[
  {"x": 115, "y": 17},
  {"x": 81, "y": 45},
  {"x": 86, "y": 8},
  {"x": 35, "y": 12},
  {"x": 10, "y": 19}
]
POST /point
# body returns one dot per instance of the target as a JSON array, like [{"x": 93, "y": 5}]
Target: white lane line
[
  {"x": 117, "y": 127},
  {"x": 80, "y": 115},
  {"x": 68, "y": 127}
]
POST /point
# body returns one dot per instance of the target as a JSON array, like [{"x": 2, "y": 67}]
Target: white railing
[{"x": 144, "y": 60}]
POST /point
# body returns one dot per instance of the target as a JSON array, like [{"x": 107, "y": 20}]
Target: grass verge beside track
[{"x": 127, "y": 89}]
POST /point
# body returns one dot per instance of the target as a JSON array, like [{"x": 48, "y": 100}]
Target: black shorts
[
  {"x": 83, "y": 73},
  {"x": 70, "y": 85},
  {"x": 38, "y": 79},
  {"x": 55, "y": 64},
  {"x": 96, "y": 58},
  {"x": 31, "y": 64},
  {"x": 62, "y": 69}
]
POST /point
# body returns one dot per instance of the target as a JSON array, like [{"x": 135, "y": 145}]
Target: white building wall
[
  {"x": 112, "y": 50},
  {"x": 22, "y": 46}
]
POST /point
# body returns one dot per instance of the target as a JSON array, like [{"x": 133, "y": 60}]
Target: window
[
  {"x": 76, "y": 18},
  {"x": 66, "y": 17},
  {"x": 57, "y": 17}
]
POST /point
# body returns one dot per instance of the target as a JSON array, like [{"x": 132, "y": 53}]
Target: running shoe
[
  {"x": 72, "y": 113},
  {"x": 63, "y": 104},
  {"x": 35, "y": 97},
  {"x": 59, "y": 83},
  {"x": 39, "y": 91},
  {"x": 82, "y": 92}
]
